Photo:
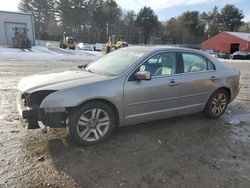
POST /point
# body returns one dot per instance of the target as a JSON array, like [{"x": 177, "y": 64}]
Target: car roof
[
  {"x": 148, "y": 50},
  {"x": 152, "y": 49}
]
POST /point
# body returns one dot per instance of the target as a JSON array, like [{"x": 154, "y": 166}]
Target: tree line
[{"x": 94, "y": 21}]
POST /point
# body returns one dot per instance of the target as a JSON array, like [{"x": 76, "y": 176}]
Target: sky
[{"x": 164, "y": 9}]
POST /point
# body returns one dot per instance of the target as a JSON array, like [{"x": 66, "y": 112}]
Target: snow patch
[{"x": 43, "y": 53}]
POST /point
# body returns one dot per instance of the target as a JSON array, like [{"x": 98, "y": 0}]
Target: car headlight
[{"x": 35, "y": 99}]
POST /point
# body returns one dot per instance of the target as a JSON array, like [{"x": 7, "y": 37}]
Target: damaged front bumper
[{"x": 30, "y": 116}]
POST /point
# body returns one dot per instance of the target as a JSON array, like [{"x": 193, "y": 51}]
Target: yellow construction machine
[
  {"x": 114, "y": 43},
  {"x": 20, "y": 39},
  {"x": 67, "y": 42}
]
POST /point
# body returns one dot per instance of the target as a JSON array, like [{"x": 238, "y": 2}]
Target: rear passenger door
[{"x": 198, "y": 79}]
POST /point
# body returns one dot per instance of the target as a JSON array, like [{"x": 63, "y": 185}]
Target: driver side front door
[{"x": 153, "y": 99}]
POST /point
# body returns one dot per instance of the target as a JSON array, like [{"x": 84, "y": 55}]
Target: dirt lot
[{"x": 188, "y": 151}]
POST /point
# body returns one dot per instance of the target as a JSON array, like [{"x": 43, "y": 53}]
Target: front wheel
[
  {"x": 108, "y": 49},
  {"x": 217, "y": 104},
  {"x": 61, "y": 44},
  {"x": 91, "y": 124},
  {"x": 64, "y": 46}
]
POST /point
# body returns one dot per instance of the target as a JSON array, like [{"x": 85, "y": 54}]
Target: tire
[
  {"x": 217, "y": 104},
  {"x": 61, "y": 44},
  {"x": 108, "y": 50},
  {"x": 91, "y": 124},
  {"x": 73, "y": 48}
]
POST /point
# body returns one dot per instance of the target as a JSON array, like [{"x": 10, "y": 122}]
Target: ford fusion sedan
[{"x": 128, "y": 86}]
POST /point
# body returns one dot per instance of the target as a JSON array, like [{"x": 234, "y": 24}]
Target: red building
[{"x": 228, "y": 42}]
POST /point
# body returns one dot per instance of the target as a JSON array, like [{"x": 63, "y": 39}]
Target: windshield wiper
[
  {"x": 83, "y": 67},
  {"x": 80, "y": 66},
  {"x": 89, "y": 70}
]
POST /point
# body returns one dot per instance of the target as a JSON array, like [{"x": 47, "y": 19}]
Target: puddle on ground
[
  {"x": 240, "y": 126},
  {"x": 237, "y": 119},
  {"x": 240, "y": 119}
]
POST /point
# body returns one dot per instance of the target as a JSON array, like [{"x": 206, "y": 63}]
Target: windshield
[{"x": 114, "y": 63}]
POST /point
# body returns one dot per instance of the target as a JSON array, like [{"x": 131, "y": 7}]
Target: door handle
[
  {"x": 173, "y": 83},
  {"x": 213, "y": 78}
]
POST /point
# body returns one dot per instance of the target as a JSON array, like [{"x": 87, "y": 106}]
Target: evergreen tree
[
  {"x": 231, "y": 18},
  {"x": 43, "y": 11},
  {"x": 211, "y": 21},
  {"x": 191, "y": 30},
  {"x": 147, "y": 21}
]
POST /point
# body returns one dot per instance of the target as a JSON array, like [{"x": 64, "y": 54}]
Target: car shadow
[{"x": 141, "y": 155}]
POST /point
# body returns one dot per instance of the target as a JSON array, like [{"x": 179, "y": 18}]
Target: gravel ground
[{"x": 189, "y": 151}]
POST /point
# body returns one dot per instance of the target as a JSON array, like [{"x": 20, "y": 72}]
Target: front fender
[
  {"x": 72, "y": 97},
  {"x": 111, "y": 90}
]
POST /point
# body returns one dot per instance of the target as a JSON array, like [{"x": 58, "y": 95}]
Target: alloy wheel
[
  {"x": 93, "y": 124},
  {"x": 219, "y": 103}
]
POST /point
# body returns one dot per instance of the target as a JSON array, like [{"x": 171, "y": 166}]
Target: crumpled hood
[{"x": 58, "y": 81}]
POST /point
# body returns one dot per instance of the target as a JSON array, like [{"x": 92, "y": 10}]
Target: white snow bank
[
  {"x": 43, "y": 53},
  {"x": 234, "y": 61}
]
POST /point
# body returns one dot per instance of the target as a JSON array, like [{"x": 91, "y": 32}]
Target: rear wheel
[
  {"x": 217, "y": 104},
  {"x": 91, "y": 124}
]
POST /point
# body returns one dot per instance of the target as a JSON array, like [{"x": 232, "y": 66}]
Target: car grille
[{"x": 24, "y": 99}]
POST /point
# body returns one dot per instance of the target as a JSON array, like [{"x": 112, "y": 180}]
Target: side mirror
[{"x": 143, "y": 75}]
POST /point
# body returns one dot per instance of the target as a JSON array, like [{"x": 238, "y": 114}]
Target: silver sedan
[{"x": 128, "y": 86}]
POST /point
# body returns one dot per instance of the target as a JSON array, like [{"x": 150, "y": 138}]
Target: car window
[
  {"x": 154, "y": 59},
  {"x": 210, "y": 65},
  {"x": 161, "y": 64},
  {"x": 196, "y": 63}
]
